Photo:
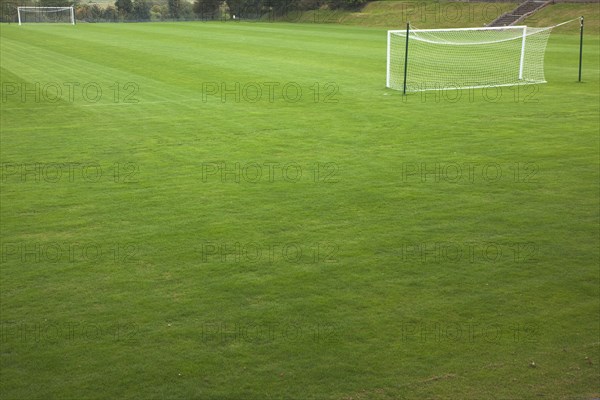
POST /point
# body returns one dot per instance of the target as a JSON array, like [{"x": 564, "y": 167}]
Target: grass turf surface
[{"x": 130, "y": 265}]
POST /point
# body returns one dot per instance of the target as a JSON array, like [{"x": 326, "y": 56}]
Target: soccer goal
[
  {"x": 464, "y": 58},
  {"x": 46, "y": 14}
]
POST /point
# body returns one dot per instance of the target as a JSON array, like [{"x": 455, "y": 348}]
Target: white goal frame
[
  {"x": 48, "y": 9},
  {"x": 405, "y": 32}
]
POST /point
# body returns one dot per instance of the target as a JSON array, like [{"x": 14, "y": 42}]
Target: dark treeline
[{"x": 161, "y": 10}]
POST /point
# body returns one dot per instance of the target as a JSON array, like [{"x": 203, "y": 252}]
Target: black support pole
[
  {"x": 406, "y": 57},
  {"x": 580, "y": 46}
]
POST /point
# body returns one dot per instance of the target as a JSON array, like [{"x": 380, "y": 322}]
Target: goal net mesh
[
  {"x": 466, "y": 58},
  {"x": 45, "y": 14}
]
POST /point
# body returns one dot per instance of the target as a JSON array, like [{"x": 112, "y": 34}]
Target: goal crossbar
[{"x": 487, "y": 28}]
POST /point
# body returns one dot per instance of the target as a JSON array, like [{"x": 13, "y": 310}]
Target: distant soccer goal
[
  {"x": 46, "y": 14},
  {"x": 463, "y": 58}
]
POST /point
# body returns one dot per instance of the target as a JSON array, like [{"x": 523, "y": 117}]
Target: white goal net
[
  {"x": 465, "y": 58},
  {"x": 46, "y": 14}
]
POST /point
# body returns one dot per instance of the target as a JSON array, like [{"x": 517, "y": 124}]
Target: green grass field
[{"x": 243, "y": 211}]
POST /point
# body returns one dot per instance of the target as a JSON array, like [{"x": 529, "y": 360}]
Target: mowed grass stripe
[
  {"x": 205, "y": 53},
  {"x": 79, "y": 72}
]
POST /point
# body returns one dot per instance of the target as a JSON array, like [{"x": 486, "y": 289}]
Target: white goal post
[
  {"x": 46, "y": 14},
  {"x": 464, "y": 58}
]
